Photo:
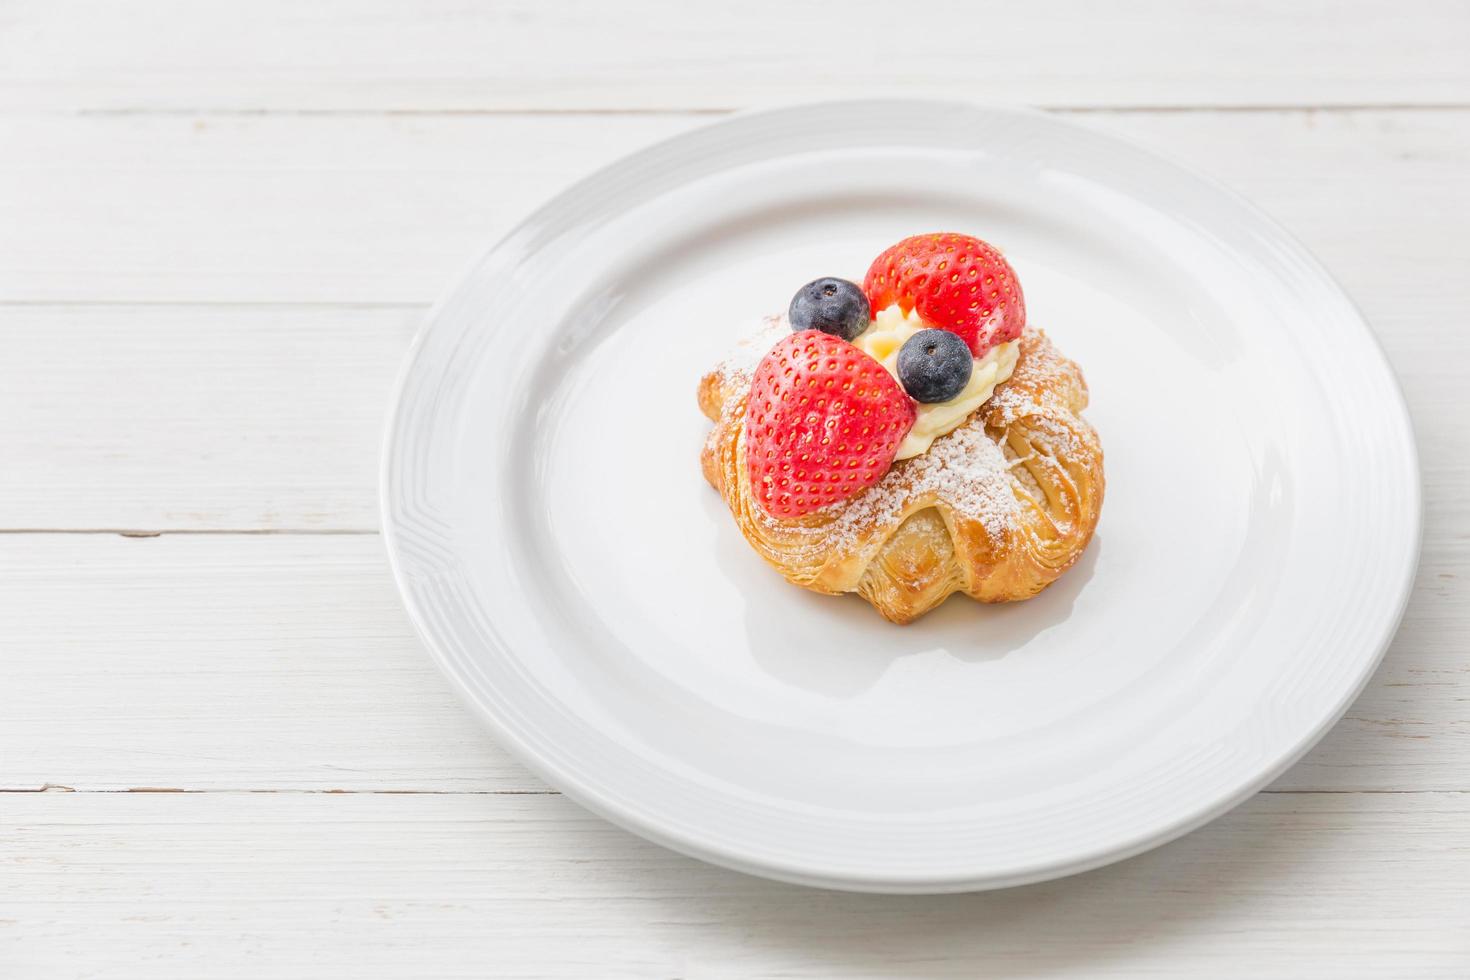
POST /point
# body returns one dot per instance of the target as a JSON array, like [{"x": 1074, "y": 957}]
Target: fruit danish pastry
[{"x": 908, "y": 438}]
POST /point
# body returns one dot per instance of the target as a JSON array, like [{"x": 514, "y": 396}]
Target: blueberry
[
  {"x": 830, "y": 305},
  {"x": 934, "y": 365}
]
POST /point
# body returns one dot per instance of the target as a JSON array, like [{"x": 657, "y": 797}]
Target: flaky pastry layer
[{"x": 997, "y": 509}]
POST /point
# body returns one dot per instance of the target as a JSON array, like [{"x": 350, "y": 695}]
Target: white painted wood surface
[
  {"x": 290, "y": 664},
  {"x": 225, "y": 885},
  {"x": 222, "y": 752},
  {"x": 667, "y": 54}
]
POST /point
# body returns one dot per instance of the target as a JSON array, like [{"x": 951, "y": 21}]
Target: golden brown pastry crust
[{"x": 996, "y": 509}]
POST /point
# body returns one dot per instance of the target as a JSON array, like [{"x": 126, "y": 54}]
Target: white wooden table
[{"x": 222, "y": 752}]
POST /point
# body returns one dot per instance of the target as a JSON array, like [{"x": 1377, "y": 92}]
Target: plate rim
[{"x": 889, "y": 883}]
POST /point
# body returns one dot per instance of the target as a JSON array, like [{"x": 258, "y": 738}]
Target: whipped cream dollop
[{"x": 882, "y": 340}]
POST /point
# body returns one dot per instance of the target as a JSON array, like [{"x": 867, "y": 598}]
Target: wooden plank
[
  {"x": 660, "y": 54},
  {"x": 190, "y": 417},
  {"x": 277, "y": 209},
  {"x": 372, "y": 886},
  {"x": 168, "y": 417},
  {"x": 389, "y": 209},
  {"x": 268, "y": 418},
  {"x": 236, "y": 662}
]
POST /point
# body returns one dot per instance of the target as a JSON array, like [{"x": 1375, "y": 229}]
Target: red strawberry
[
  {"x": 956, "y": 282},
  {"x": 822, "y": 423}
]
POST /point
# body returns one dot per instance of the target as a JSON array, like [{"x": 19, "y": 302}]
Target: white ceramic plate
[{"x": 586, "y": 591}]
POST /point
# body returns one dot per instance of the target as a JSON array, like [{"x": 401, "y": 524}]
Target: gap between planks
[
  {"x": 227, "y": 304},
  {"x": 292, "y": 791},
  {"x": 215, "y": 531},
  {"x": 207, "y": 112}
]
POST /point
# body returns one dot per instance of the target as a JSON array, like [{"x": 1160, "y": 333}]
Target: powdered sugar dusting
[
  {"x": 966, "y": 468},
  {"x": 1042, "y": 404},
  {"x": 740, "y": 364}
]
